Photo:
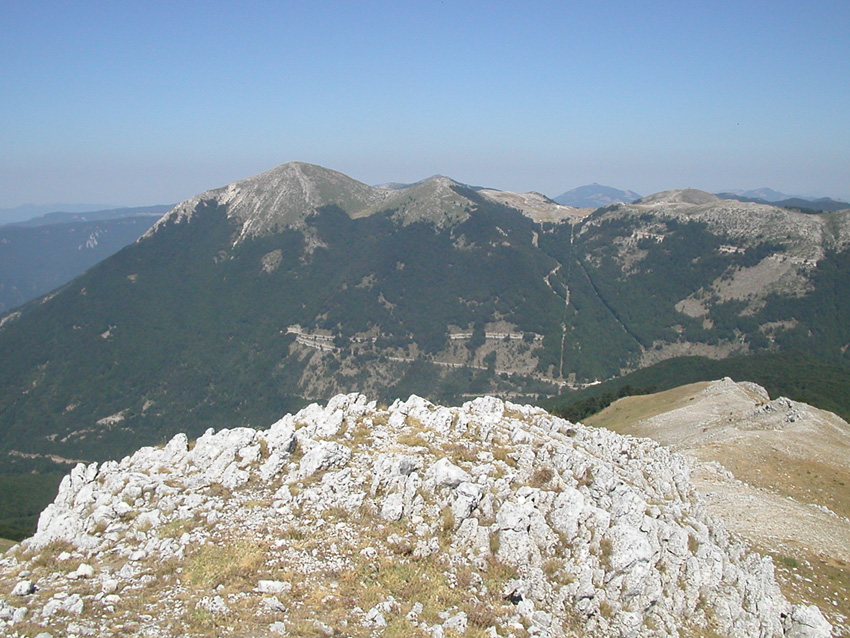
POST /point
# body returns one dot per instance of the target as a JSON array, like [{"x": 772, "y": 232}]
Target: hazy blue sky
[{"x": 151, "y": 102}]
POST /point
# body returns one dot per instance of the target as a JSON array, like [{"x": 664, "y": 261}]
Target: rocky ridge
[
  {"x": 774, "y": 471},
  {"x": 804, "y": 236},
  {"x": 492, "y": 519},
  {"x": 285, "y": 196}
]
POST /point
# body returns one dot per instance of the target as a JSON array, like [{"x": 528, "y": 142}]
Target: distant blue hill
[
  {"x": 28, "y": 211},
  {"x": 93, "y": 216},
  {"x": 806, "y": 205},
  {"x": 596, "y": 196},
  {"x": 44, "y": 253}
]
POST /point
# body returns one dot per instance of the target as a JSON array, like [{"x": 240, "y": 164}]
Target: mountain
[
  {"x": 413, "y": 520},
  {"x": 95, "y": 215},
  {"x": 595, "y": 196},
  {"x": 401, "y": 186},
  {"x": 28, "y": 211},
  {"x": 320, "y": 282},
  {"x": 45, "y": 253},
  {"x": 764, "y": 194},
  {"x": 300, "y": 283},
  {"x": 819, "y": 205}
]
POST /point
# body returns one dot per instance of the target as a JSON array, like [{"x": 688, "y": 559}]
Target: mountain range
[
  {"x": 43, "y": 253},
  {"x": 28, "y": 211},
  {"x": 249, "y": 300},
  {"x": 60, "y": 217},
  {"x": 819, "y": 205},
  {"x": 765, "y": 194}
]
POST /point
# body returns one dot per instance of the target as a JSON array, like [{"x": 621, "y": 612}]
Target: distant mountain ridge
[
  {"x": 821, "y": 204},
  {"x": 595, "y": 196},
  {"x": 28, "y": 211},
  {"x": 47, "y": 252},
  {"x": 91, "y": 216},
  {"x": 285, "y": 196},
  {"x": 765, "y": 194}
]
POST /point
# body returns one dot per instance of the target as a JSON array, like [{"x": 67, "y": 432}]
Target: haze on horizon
[{"x": 144, "y": 104}]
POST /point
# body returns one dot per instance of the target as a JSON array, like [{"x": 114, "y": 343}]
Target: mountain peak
[
  {"x": 280, "y": 197},
  {"x": 437, "y": 177}
]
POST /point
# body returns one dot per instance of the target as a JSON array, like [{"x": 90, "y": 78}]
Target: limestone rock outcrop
[{"x": 491, "y": 519}]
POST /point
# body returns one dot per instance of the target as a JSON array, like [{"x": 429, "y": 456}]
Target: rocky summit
[{"x": 489, "y": 519}]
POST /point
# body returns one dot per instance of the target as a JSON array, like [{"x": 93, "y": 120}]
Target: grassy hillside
[{"x": 794, "y": 375}]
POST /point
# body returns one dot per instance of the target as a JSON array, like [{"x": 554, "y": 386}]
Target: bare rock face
[{"x": 491, "y": 519}]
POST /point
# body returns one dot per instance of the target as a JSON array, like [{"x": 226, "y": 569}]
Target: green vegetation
[
  {"x": 21, "y": 500},
  {"x": 35, "y": 260},
  {"x": 187, "y": 330}
]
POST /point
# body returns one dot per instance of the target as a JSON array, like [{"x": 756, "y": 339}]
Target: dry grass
[
  {"x": 233, "y": 565},
  {"x": 359, "y": 433},
  {"x": 541, "y": 476},
  {"x": 623, "y": 413},
  {"x": 447, "y": 524},
  {"x": 783, "y": 464},
  {"x": 413, "y": 439},
  {"x": 460, "y": 452}
]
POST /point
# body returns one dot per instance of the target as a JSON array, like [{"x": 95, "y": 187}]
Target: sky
[{"x": 138, "y": 103}]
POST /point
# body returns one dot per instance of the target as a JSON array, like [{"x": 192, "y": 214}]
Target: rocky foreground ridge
[{"x": 491, "y": 519}]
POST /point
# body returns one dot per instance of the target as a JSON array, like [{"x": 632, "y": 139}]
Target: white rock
[
  {"x": 323, "y": 455},
  {"x": 110, "y": 586},
  {"x": 415, "y": 611},
  {"x": 233, "y": 476},
  {"x": 393, "y": 507},
  {"x": 73, "y": 604},
  {"x": 273, "y": 603},
  {"x": 807, "y": 622},
  {"x": 24, "y": 588},
  {"x": 274, "y": 587},
  {"x": 374, "y": 618},
  {"x": 567, "y": 511},
  {"x": 618, "y": 522},
  {"x": 213, "y": 604},
  {"x": 7, "y": 611},
  {"x": 457, "y": 623},
  {"x": 627, "y": 546},
  {"x": 138, "y": 555},
  {"x": 273, "y": 465},
  {"x": 467, "y": 497},
  {"x": 514, "y": 516},
  {"x": 444, "y": 473},
  {"x": 83, "y": 571}
]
